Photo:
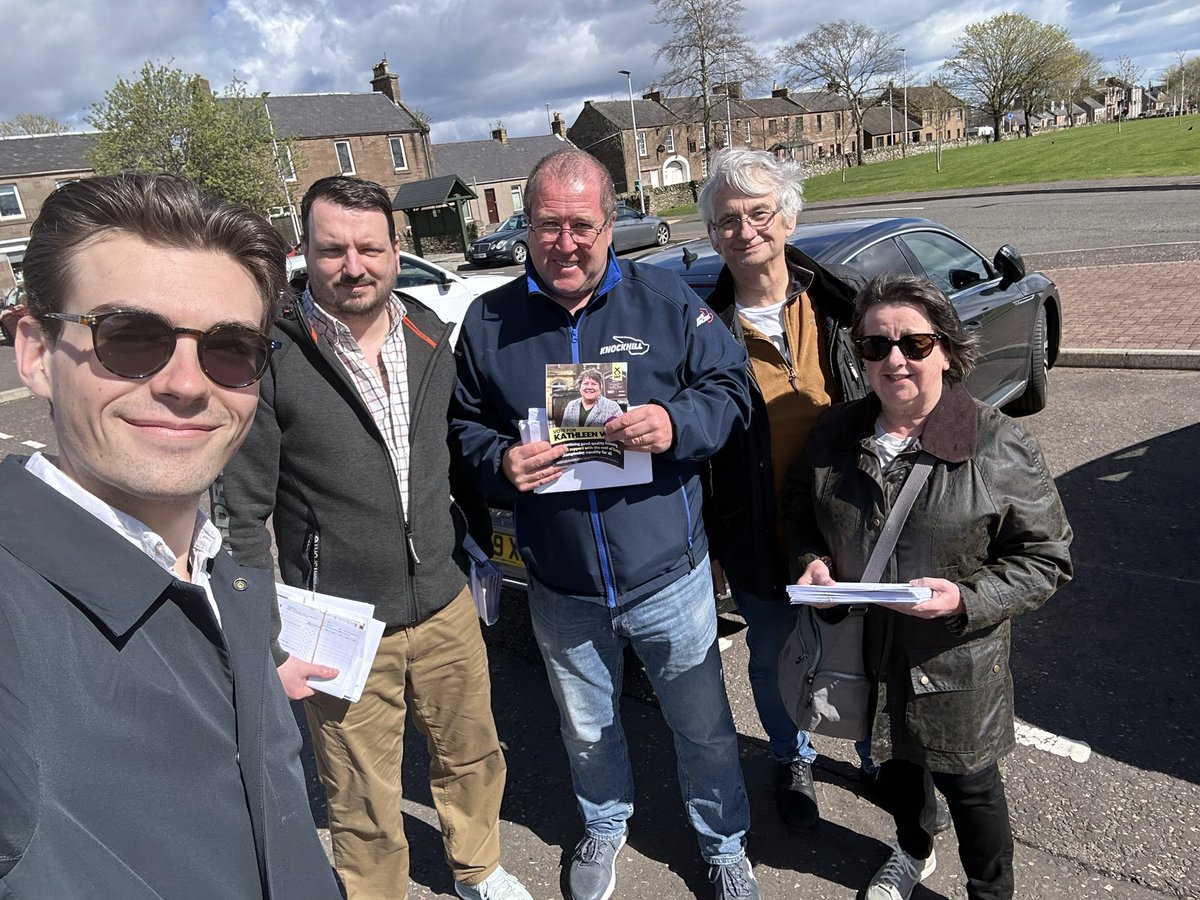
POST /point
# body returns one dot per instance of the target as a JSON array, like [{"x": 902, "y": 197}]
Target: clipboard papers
[
  {"x": 635, "y": 467},
  {"x": 330, "y": 631},
  {"x": 857, "y": 594},
  {"x": 485, "y": 582}
]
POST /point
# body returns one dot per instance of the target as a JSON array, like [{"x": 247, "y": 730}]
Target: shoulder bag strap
[{"x": 895, "y": 520}]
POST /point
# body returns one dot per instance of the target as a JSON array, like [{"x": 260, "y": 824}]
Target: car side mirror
[{"x": 1009, "y": 264}]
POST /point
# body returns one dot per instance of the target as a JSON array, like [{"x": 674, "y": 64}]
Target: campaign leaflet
[{"x": 580, "y": 398}]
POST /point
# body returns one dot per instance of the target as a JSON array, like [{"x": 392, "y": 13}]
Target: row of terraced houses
[{"x": 446, "y": 191}]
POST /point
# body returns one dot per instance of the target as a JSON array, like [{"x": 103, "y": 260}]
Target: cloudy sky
[{"x": 469, "y": 64}]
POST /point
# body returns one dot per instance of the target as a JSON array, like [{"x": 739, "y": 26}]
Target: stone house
[
  {"x": 496, "y": 169},
  {"x": 31, "y": 168},
  {"x": 373, "y": 135},
  {"x": 936, "y": 110}
]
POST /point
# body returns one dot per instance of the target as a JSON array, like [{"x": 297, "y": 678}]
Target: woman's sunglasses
[
  {"x": 875, "y": 347},
  {"x": 138, "y": 344}
]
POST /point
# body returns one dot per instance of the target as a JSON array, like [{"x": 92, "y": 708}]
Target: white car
[{"x": 446, "y": 293}]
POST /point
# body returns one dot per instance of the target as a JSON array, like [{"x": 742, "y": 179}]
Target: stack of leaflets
[
  {"x": 330, "y": 631},
  {"x": 485, "y": 583},
  {"x": 855, "y": 594}
]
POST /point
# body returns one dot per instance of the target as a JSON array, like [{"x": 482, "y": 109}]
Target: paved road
[{"x": 1109, "y": 662}]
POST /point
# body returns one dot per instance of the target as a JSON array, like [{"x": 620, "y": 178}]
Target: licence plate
[{"x": 504, "y": 549}]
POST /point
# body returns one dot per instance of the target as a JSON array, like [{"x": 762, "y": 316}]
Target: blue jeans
[
  {"x": 767, "y": 625},
  {"x": 674, "y": 633}
]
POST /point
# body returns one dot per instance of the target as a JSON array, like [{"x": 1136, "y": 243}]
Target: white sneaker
[
  {"x": 899, "y": 875},
  {"x": 497, "y": 886}
]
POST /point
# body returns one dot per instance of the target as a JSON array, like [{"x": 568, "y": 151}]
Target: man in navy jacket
[
  {"x": 624, "y": 565},
  {"x": 146, "y": 747}
]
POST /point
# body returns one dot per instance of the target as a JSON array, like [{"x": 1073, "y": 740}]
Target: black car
[
  {"x": 509, "y": 243},
  {"x": 1017, "y": 316}
]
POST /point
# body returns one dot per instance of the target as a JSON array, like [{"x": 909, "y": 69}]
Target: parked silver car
[{"x": 510, "y": 242}]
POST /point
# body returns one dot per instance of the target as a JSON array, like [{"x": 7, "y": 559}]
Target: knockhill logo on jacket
[
  {"x": 704, "y": 317},
  {"x": 631, "y": 345}
]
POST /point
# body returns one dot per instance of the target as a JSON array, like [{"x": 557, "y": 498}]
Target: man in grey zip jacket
[{"x": 348, "y": 453}]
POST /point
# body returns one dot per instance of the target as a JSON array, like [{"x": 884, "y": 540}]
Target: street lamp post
[
  {"x": 904, "y": 146},
  {"x": 636, "y": 156}
]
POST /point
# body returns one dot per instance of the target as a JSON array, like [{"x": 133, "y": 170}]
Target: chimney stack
[
  {"x": 654, "y": 96},
  {"x": 385, "y": 82},
  {"x": 780, "y": 92},
  {"x": 558, "y": 127},
  {"x": 500, "y": 133}
]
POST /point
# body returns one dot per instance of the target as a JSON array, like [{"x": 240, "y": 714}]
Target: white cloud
[{"x": 469, "y": 64}]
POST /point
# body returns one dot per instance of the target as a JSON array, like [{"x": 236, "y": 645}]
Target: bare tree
[
  {"x": 1183, "y": 82},
  {"x": 846, "y": 58},
  {"x": 706, "y": 45},
  {"x": 1007, "y": 59},
  {"x": 1127, "y": 74},
  {"x": 1080, "y": 79},
  {"x": 31, "y": 123}
]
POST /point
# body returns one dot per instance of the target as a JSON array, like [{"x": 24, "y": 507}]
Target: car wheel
[
  {"x": 519, "y": 252},
  {"x": 663, "y": 235},
  {"x": 1038, "y": 389}
]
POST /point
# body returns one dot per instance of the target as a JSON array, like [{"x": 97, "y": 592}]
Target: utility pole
[{"x": 904, "y": 146}]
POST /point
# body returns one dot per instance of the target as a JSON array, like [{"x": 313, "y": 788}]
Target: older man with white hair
[{"x": 793, "y": 317}]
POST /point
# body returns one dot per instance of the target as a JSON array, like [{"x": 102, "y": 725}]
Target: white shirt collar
[{"x": 206, "y": 539}]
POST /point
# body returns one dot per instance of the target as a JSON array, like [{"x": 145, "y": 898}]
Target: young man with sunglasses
[
  {"x": 349, "y": 456},
  {"x": 621, "y": 566},
  {"x": 132, "y": 767}
]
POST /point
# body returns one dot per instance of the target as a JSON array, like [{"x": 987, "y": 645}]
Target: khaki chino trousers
[{"x": 438, "y": 670}]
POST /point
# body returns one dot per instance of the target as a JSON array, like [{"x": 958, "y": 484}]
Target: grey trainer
[
  {"x": 734, "y": 881},
  {"x": 899, "y": 875},
  {"x": 593, "y": 871}
]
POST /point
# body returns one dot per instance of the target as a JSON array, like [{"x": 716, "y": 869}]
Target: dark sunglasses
[
  {"x": 138, "y": 344},
  {"x": 875, "y": 347}
]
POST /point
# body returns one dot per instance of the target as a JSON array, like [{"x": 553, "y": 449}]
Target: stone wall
[{"x": 667, "y": 197}]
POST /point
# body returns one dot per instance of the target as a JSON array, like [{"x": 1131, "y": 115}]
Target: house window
[
  {"x": 283, "y": 156},
  {"x": 837, "y": 121},
  {"x": 641, "y": 143},
  {"x": 818, "y": 121},
  {"x": 703, "y": 141},
  {"x": 345, "y": 159},
  {"x": 399, "y": 160},
  {"x": 670, "y": 142},
  {"x": 517, "y": 200},
  {"x": 10, "y": 202},
  {"x": 704, "y": 168},
  {"x": 747, "y": 123},
  {"x": 771, "y": 126}
]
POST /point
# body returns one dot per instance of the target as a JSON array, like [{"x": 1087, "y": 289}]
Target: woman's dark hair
[
  {"x": 163, "y": 211},
  {"x": 961, "y": 348}
]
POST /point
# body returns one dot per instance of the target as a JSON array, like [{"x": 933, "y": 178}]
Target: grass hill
[{"x": 1141, "y": 148}]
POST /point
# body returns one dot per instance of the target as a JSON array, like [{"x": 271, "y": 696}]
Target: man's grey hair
[
  {"x": 571, "y": 166},
  {"x": 754, "y": 173}
]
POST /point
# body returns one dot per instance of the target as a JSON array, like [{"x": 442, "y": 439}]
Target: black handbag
[{"x": 822, "y": 674}]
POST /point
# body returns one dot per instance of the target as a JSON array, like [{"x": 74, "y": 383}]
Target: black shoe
[
  {"x": 795, "y": 796},
  {"x": 941, "y": 816}
]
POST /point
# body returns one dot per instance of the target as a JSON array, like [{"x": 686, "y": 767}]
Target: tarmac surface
[{"x": 1123, "y": 824}]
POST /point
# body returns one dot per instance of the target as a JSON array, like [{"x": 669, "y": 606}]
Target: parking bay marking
[{"x": 1031, "y": 736}]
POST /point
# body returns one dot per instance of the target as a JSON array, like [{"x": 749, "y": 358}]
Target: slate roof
[
  {"x": 431, "y": 192},
  {"x": 877, "y": 120},
  {"x": 45, "y": 153},
  {"x": 485, "y": 161},
  {"x": 770, "y": 107},
  {"x": 649, "y": 114},
  {"x": 338, "y": 115},
  {"x": 819, "y": 101},
  {"x": 691, "y": 109}
]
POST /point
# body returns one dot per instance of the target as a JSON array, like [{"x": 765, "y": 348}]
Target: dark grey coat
[
  {"x": 989, "y": 519},
  {"x": 143, "y": 752},
  {"x": 316, "y": 462}
]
